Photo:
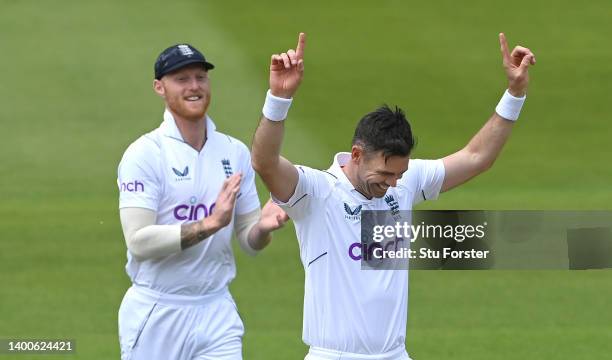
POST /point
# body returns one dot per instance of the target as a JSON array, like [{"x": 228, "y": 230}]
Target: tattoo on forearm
[{"x": 192, "y": 234}]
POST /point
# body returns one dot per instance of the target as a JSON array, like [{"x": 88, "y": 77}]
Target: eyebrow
[{"x": 383, "y": 172}]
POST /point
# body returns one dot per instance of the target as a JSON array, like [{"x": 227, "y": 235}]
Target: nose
[
  {"x": 391, "y": 181},
  {"x": 193, "y": 83}
]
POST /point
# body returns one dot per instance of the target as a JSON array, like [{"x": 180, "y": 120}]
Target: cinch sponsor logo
[
  {"x": 133, "y": 186},
  {"x": 352, "y": 214},
  {"x": 193, "y": 211},
  {"x": 358, "y": 251}
]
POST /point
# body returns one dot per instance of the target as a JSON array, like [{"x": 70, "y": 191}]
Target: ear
[
  {"x": 159, "y": 89},
  {"x": 357, "y": 153}
]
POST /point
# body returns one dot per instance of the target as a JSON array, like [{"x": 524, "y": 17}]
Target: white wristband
[
  {"x": 509, "y": 106},
  {"x": 276, "y": 108}
]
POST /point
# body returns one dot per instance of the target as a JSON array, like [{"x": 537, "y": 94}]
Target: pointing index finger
[
  {"x": 504, "y": 47},
  {"x": 299, "y": 50}
]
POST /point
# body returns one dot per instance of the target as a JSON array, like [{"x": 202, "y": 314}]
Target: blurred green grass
[{"x": 76, "y": 90}]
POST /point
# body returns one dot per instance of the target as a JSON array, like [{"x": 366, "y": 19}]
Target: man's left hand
[{"x": 272, "y": 217}]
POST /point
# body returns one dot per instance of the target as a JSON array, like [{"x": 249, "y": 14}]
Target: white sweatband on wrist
[
  {"x": 276, "y": 108},
  {"x": 509, "y": 106}
]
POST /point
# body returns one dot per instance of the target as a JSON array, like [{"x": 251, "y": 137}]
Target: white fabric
[
  {"x": 158, "y": 326},
  {"x": 509, "y": 107},
  {"x": 276, "y": 108},
  {"x": 347, "y": 309},
  {"x": 144, "y": 239},
  {"x": 243, "y": 225},
  {"x": 161, "y": 172},
  {"x": 315, "y": 353}
]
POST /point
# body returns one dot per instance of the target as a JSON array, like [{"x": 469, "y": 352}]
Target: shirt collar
[
  {"x": 169, "y": 128},
  {"x": 340, "y": 160}
]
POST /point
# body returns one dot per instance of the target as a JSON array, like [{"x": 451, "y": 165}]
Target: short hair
[{"x": 385, "y": 130}]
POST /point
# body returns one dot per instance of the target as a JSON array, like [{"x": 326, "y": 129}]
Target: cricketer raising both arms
[{"x": 349, "y": 313}]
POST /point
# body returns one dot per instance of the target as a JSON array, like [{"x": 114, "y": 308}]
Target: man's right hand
[
  {"x": 193, "y": 233},
  {"x": 287, "y": 70},
  {"x": 516, "y": 65},
  {"x": 279, "y": 175},
  {"x": 224, "y": 206}
]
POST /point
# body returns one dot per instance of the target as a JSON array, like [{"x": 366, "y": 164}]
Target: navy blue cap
[{"x": 177, "y": 56}]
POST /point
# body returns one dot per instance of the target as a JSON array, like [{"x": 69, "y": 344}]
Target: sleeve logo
[{"x": 132, "y": 186}]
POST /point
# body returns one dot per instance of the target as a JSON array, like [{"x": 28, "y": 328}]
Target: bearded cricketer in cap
[{"x": 184, "y": 189}]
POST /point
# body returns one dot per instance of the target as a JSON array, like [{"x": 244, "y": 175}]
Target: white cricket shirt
[
  {"x": 161, "y": 172},
  {"x": 345, "y": 308}
]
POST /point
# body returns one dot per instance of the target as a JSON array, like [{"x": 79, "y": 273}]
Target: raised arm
[
  {"x": 482, "y": 150},
  {"x": 279, "y": 175}
]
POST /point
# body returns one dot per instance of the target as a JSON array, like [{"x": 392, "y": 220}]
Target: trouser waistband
[
  {"x": 151, "y": 295},
  {"x": 399, "y": 353}
]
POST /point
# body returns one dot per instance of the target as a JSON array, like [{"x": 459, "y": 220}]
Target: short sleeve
[
  {"x": 138, "y": 183},
  {"x": 425, "y": 177},
  {"x": 248, "y": 199},
  {"x": 312, "y": 185}
]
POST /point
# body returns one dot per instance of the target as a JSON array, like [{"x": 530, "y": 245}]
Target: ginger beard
[{"x": 186, "y": 92}]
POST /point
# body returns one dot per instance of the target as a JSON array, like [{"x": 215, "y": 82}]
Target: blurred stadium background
[{"x": 76, "y": 90}]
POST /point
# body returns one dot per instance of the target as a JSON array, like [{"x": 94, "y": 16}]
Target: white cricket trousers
[
  {"x": 315, "y": 353},
  {"x": 156, "y": 326}
]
